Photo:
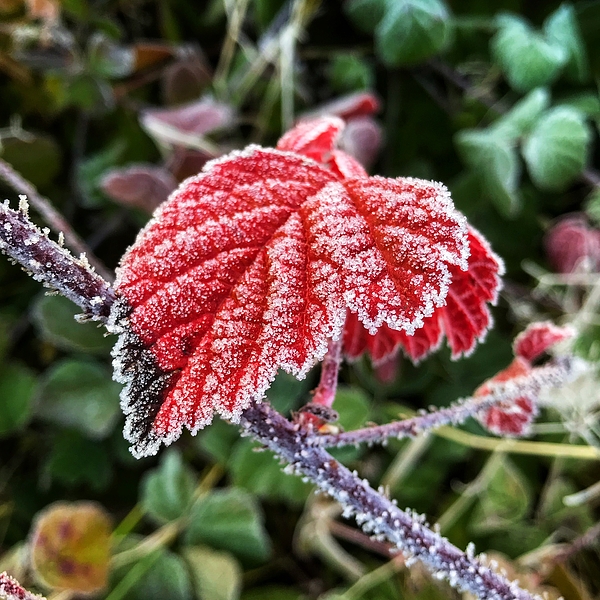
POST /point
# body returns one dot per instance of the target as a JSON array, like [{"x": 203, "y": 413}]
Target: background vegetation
[{"x": 499, "y": 101}]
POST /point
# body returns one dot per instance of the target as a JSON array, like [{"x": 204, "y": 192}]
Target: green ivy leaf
[
  {"x": 80, "y": 394},
  {"x": 412, "y": 31},
  {"x": 518, "y": 121},
  {"x": 17, "y": 390},
  {"x": 562, "y": 29},
  {"x": 557, "y": 149},
  {"x": 215, "y": 575},
  {"x": 527, "y": 59},
  {"x": 496, "y": 163},
  {"x": 167, "y": 492},
  {"x": 365, "y": 14},
  {"x": 54, "y": 318},
  {"x": 229, "y": 519}
]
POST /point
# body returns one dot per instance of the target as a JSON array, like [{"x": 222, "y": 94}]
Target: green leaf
[
  {"x": 286, "y": 390},
  {"x": 365, "y": 14},
  {"x": 36, "y": 157},
  {"x": 348, "y": 73},
  {"x": 523, "y": 115},
  {"x": 562, "y": 29},
  {"x": 412, "y": 31},
  {"x": 229, "y": 519},
  {"x": 258, "y": 471},
  {"x": 218, "y": 440},
  {"x": 91, "y": 170},
  {"x": 167, "y": 577},
  {"x": 496, "y": 163},
  {"x": 54, "y": 318},
  {"x": 353, "y": 406},
  {"x": 505, "y": 499},
  {"x": 592, "y": 206},
  {"x": 215, "y": 575},
  {"x": 557, "y": 149},
  {"x": 75, "y": 460},
  {"x": 17, "y": 389},
  {"x": 527, "y": 59},
  {"x": 80, "y": 394},
  {"x": 167, "y": 492}
]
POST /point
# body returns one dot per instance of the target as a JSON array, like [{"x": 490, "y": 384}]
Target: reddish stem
[{"x": 325, "y": 392}]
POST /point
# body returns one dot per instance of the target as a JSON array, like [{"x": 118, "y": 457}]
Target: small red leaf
[
  {"x": 142, "y": 186},
  {"x": 509, "y": 418},
  {"x": 464, "y": 319},
  {"x": 315, "y": 138},
  {"x": 538, "y": 337},
  {"x": 362, "y": 139},
  {"x": 250, "y": 267},
  {"x": 358, "y": 104}
]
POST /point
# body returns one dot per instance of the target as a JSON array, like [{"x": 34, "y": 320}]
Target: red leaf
[
  {"x": 464, "y": 319},
  {"x": 142, "y": 186},
  {"x": 250, "y": 267},
  {"x": 509, "y": 418},
  {"x": 538, "y": 337},
  {"x": 315, "y": 138},
  {"x": 358, "y": 104}
]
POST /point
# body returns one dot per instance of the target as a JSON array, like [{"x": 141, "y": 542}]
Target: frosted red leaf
[
  {"x": 538, "y": 337},
  {"x": 464, "y": 319},
  {"x": 357, "y": 104},
  {"x": 251, "y": 266},
  {"x": 509, "y": 418}
]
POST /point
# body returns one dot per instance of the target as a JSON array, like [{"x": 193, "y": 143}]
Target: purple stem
[
  {"x": 325, "y": 391},
  {"x": 55, "y": 220},
  {"x": 552, "y": 374},
  {"x": 11, "y": 589},
  {"x": 376, "y": 514},
  {"x": 52, "y": 264}
]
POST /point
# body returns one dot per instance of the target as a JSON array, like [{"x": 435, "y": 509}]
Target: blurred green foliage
[{"x": 499, "y": 101}]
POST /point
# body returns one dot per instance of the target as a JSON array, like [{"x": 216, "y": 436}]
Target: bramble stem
[
  {"x": 376, "y": 514},
  {"x": 53, "y": 218},
  {"x": 53, "y": 265},
  {"x": 325, "y": 391},
  {"x": 11, "y": 589},
  {"x": 553, "y": 374}
]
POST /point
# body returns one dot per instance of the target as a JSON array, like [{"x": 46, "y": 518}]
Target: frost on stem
[
  {"x": 497, "y": 393},
  {"x": 53, "y": 265},
  {"x": 376, "y": 514}
]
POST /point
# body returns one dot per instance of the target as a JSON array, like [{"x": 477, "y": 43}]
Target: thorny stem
[
  {"x": 553, "y": 374},
  {"x": 378, "y": 515},
  {"x": 325, "y": 392},
  {"x": 53, "y": 265},
  {"x": 53, "y": 218}
]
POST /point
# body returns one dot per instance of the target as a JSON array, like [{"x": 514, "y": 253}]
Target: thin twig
[
  {"x": 53, "y": 265},
  {"x": 552, "y": 374},
  {"x": 53, "y": 218}
]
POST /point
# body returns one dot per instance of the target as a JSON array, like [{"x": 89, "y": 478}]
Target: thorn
[
  {"x": 23, "y": 205},
  {"x": 61, "y": 239}
]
